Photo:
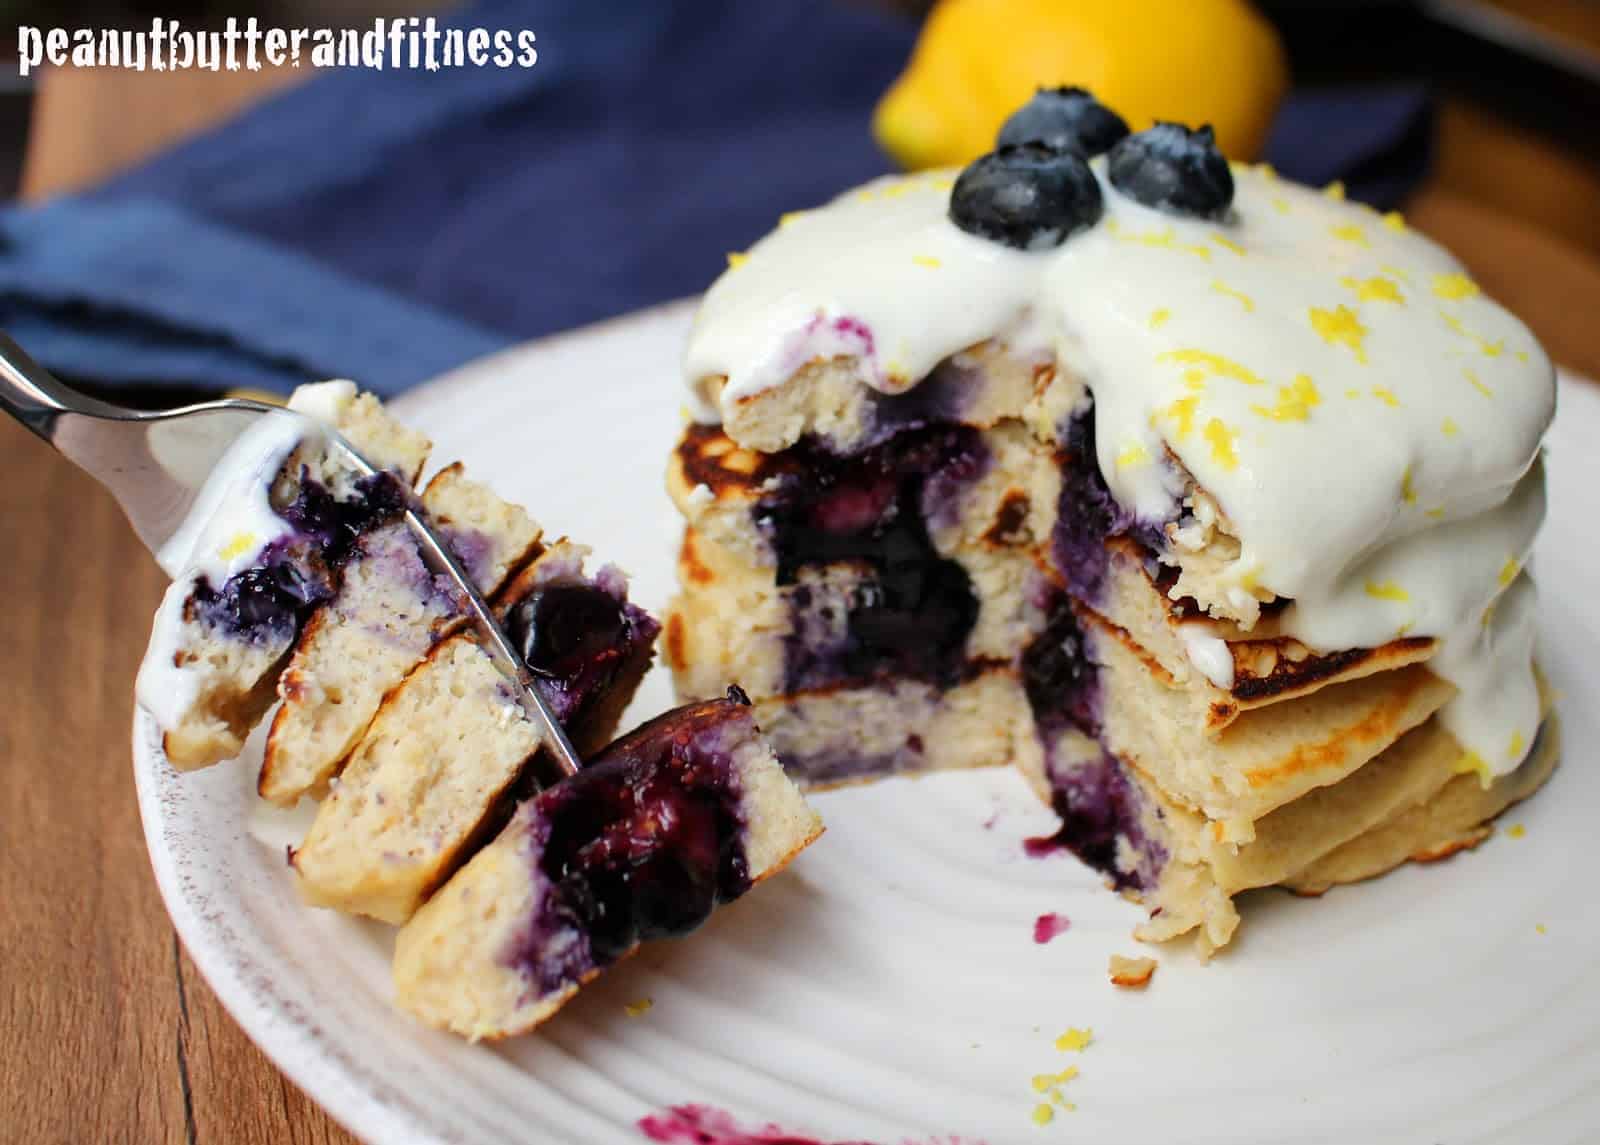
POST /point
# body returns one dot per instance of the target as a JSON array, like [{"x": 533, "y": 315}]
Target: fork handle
[{"x": 29, "y": 393}]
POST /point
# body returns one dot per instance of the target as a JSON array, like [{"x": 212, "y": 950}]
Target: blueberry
[
  {"x": 1173, "y": 169},
  {"x": 1064, "y": 117},
  {"x": 1031, "y": 197}
]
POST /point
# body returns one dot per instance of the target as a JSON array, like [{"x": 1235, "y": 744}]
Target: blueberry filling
[
  {"x": 1061, "y": 682},
  {"x": 1099, "y": 809},
  {"x": 1031, "y": 197},
  {"x": 643, "y": 843},
  {"x": 1064, "y": 117},
  {"x": 904, "y": 610},
  {"x": 1098, "y": 805},
  {"x": 578, "y": 639},
  {"x": 1088, "y": 515},
  {"x": 1173, "y": 169},
  {"x": 295, "y": 574}
]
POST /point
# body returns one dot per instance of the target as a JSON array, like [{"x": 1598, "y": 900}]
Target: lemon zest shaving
[
  {"x": 1387, "y": 590},
  {"x": 1223, "y": 240},
  {"x": 1294, "y": 401},
  {"x": 1075, "y": 1039},
  {"x": 242, "y": 543},
  {"x": 1374, "y": 289},
  {"x": 1217, "y": 364},
  {"x": 1220, "y": 287},
  {"x": 1454, "y": 287},
  {"x": 1132, "y": 455},
  {"x": 1341, "y": 326},
  {"x": 1350, "y": 233},
  {"x": 1222, "y": 449}
]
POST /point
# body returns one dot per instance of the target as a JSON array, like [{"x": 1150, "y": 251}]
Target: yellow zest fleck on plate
[
  {"x": 1387, "y": 590},
  {"x": 789, "y": 217},
  {"x": 1280, "y": 204},
  {"x": 1540, "y": 928},
  {"x": 1454, "y": 287},
  {"x": 1352, "y": 392},
  {"x": 1074, "y": 1039},
  {"x": 736, "y": 259},
  {"x": 1516, "y": 747},
  {"x": 1220, "y": 287},
  {"x": 1387, "y": 396},
  {"x": 1516, "y": 830},
  {"x": 1350, "y": 233},
  {"x": 1408, "y": 492},
  {"x": 1374, "y": 289},
  {"x": 1158, "y": 318},
  {"x": 1449, "y": 428},
  {"x": 1294, "y": 401},
  {"x": 242, "y": 543},
  {"x": 1217, "y": 364},
  {"x": 1042, "y": 1082},
  {"x": 642, "y": 1006},
  {"x": 1477, "y": 383},
  {"x": 1341, "y": 326},
  {"x": 1043, "y": 1114},
  {"x": 1434, "y": 514},
  {"x": 1395, "y": 221},
  {"x": 1334, "y": 190},
  {"x": 926, "y": 260},
  {"x": 1221, "y": 439},
  {"x": 1508, "y": 571}
]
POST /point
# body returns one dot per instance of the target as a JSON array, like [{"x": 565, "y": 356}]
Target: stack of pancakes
[{"x": 1081, "y": 662}]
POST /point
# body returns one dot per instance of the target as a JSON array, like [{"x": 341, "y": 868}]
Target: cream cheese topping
[
  {"x": 231, "y": 523},
  {"x": 1367, "y": 420}
]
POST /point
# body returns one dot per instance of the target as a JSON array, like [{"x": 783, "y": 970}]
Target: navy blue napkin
[{"x": 387, "y": 225}]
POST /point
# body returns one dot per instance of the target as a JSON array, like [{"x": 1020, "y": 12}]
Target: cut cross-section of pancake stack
[
  {"x": 420, "y": 753},
  {"x": 1211, "y": 515}
]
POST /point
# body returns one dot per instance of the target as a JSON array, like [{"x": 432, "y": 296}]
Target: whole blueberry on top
[
  {"x": 1173, "y": 169},
  {"x": 1030, "y": 197},
  {"x": 1065, "y": 117}
]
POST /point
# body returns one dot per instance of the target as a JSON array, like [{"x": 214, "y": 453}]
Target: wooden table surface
[{"x": 110, "y": 1033}]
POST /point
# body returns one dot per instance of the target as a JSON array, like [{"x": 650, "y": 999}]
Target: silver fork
[{"x": 156, "y": 463}]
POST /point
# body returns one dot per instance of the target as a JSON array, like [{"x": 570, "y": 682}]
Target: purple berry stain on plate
[
  {"x": 1048, "y": 926},
  {"x": 704, "y": 1125}
]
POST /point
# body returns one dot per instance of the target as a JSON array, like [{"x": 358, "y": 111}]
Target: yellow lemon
[{"x": 977, "y": 61}]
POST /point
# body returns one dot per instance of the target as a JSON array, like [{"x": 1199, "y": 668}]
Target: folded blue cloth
[{"x": 387, "y": 225}]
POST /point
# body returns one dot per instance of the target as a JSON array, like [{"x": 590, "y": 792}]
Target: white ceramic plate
[{"x": 887, "y": 987}]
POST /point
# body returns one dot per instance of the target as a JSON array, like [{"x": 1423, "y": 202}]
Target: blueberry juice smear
[
  {"x": 644, "y": 842},
  {"x": 910, "y": 612},
  {"x": 295, "y": 574}
]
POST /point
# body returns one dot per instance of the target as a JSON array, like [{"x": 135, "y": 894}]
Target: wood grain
[{"x": 111, "y": 1034}]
